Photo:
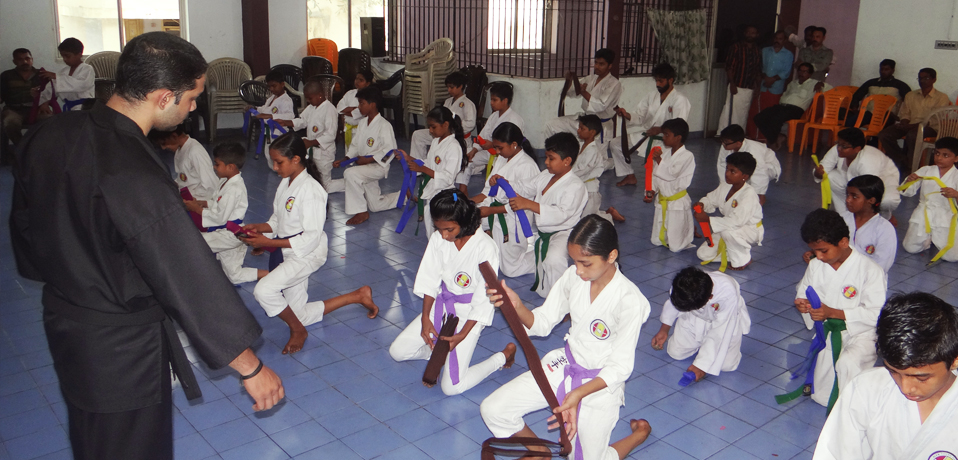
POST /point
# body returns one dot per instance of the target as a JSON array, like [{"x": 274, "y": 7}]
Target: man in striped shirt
[{"x": 743, "y": 66}]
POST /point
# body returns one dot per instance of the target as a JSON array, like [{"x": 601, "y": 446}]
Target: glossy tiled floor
[{"x": 347, "y": 399}]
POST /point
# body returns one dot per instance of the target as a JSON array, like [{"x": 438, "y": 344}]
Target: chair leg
[
  {"x": 792, "y": 128},
  {"x": 405, "y": 123},
  {"x": 801, "y": 145},
  {"x": 213, "y": 116}
]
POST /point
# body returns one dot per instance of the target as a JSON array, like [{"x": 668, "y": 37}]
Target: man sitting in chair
[
  {"x": 915, "y": 109},
  {"x": 793, "y": 104},
  {"x": 15, "y": 86},
  {"x": 885, "y": 84}
]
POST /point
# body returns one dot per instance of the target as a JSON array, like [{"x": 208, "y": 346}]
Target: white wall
[
  {"x": 840, "y": 18},
  {"x": 894, "y": 29},
  {"x": 28, "y": 24},
  {"x": 216, "y": 27},
  {"x": 287, "y": 31}
]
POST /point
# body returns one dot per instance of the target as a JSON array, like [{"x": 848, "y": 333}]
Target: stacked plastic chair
[
  {"x": 424, "y": 81},
  {"x": 223, "y": 79},
  {"x": 104, "y": 64},
  {"x": 326, "y": 48}
]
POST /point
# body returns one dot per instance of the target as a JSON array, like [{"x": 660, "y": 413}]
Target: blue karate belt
[
  {"x": 349, "y": 161},
  {"x": 602, "y": 131},
  {"x": 511, "y": 193},
  {"x": 276, "y": 257},
  {"x": 577, "y": 373},
  {"x": 832, "y": 327},
  {"x": 409, "y": 183},
  {"x": 446, "y": 304},
  {"x": 220, "y": 227},
  {"x": 267, "y": 127},
  {"x": 68, "y": 105}
]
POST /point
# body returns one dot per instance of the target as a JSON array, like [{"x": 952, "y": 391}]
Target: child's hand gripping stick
[{"x": 706, "y": 228}]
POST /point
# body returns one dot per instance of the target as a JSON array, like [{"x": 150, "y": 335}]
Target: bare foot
[
  {"x": 510, "y": 352},
  {"x": 629, "y": 180},
  {"x": 640, "y": 432},
  {"x": 258, "y": 251},
  {"x": 366, "y": 299},
  {"x": 428, "y": 385},
  {"x": 640, "y": 428},
  {"x": 260, "y": 273},
  {"x": 296, "y": 340},
  {"x": 743, "y": 267},
  {"x": 358, "y": 218},
  {"x": 616, "y": 216}
]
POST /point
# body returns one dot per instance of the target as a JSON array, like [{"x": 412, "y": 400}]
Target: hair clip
[{"x": 455, "y": 197}]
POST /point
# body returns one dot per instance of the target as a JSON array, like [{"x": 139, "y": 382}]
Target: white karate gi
[
  {"x": 603, "y": 335},
  {"x": 876, "y": 239},
  {"x": 872, "y": 420},
  {"x": 857, "y": 288},
  {"x": 767, "y": 167},
  {"x": 604, "y": 99},
  {"x": 589, "y": 165},
  {"x": 651, "y": 112},
  {"x": 740, "y": 225},
  {"x": 281, "y": 108},
  {"x": 321, "y": 123},
  {"x": 445, "y": 159},
  {"x": 299, "y": 213},
  {"x": 374, "y": 138},
  {"x": 933, "y": 209},
  {"x": 669, "y": 178},
  {"x": 459, "y": 270},
  {"x": 868, "y": 161},
  {"x": 481, "y": 159},
  {"x": 519, "y": 172},
  {"x": 464, "y": 109},
  {"x": 351, "y": 119},
  {"x": 713, "y": 331},
  {"x": 560, "y": 208},
  {"x": 229, "y": 205},
  {"x": 74, "y": 87},
  {"x": 194, "y": 170}
]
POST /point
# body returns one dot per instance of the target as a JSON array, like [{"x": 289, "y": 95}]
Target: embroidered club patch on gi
[
  {"x": 870, "y": 249},
  {"x": 715, "y": 306},
  {"x": 849, "y": 292},
  {"x": 734, "y": 203},
  {"x": 438, "y": 160},
  {"x": 275, "y": 109},
  {"x": 600, "y": 330},
  {"x": 315, "y": 129},
  {"x": 462, "y": 104},
  {"x": 289, "y": 203},
  {"x": 942, "y": 455},
  {"x": 370, "y": 141},
  {"x": 463, "y": 279},
  {"x": 182, "y": 177}
]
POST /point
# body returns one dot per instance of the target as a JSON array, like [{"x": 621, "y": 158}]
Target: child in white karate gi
[
  {"x": 459, "y": 105},
  {"x": 515, "y": 162},
  {"x": 373, "y": 141},
  {"x": 590, "y": 165},
  {"x": 933, "y": 221},
  {"x": 852, "y": 289},
  {"x": 558, "y": 203},
  {"x": 74, "y": 84},
  {"x": 905, "y": 410},
  {"x": 664, "y": 104},
  {"x": 193, "y": 168},
  {"x": 600, "y": 94},
  {"x": 228, "y": 205},
  {"x": 299, "y": 213},
  {"x": 607, "y": 312},
  {"x": 767, "y": 167},
  {"x": 709, "y": 316},
  {"x": 349, "y": 105},
  {"x": 278, "y": 107},
  {"x": 500, "y": 102},
  {"x": 449, "y": 283},
  {"x": 321, "y": 121},
  {"x": 740, "y": 226},
  {"x": 673, "y": 167},
  {"x": 850, "y": 158}
]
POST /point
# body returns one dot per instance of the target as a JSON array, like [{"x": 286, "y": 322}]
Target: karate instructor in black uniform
[{"x": 97, "y": 217}]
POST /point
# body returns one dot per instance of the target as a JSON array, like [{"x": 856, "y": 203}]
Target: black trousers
[
  {"x": 145, "y": 433},
  {"x": 770, "y": 120}
]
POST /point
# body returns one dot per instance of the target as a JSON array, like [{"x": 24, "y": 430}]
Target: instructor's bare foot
[
  {"x": 358, "y": 218},
  {"x": 616, "y": 216},
  {"x": 296, "y": 340},
  {"x": 366, "y": 299},
  {"x": 628, "y": 180},
  {"x": 510, "y": 352}
]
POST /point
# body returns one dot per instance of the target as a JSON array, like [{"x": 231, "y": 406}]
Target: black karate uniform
[{"x": 97, "y": 217}]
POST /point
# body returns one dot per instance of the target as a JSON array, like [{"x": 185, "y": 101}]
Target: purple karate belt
[
  {"x": 446, "y": 304},
  {"x": 578, "y": 374}
]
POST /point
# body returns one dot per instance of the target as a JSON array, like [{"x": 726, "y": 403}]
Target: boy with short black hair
[
  {"x": 500, "y": 101},
  {"x": 229, "y": 205},
  {"x": 320, "y": 119},
  {"x": 74, "y": 84},
  {"x": 931, "y": 222},
  {"x": 279, "y": 106},
  {"x": 673, "y": 167},
  {"x": 740, "y": 226},
  {"x": 600, "y": 94},
  {"x": 457, "y": 103},
  {"x": 590, "y": 164},
  {"x": 558, "y": 204},
  {"x": 906, "y": 410},
  {"x": 710, "y": 317},
  {"x": 767, "y": 166},
  {"x": 851, "y": 288},
  {"x": 850, "y": 158}
]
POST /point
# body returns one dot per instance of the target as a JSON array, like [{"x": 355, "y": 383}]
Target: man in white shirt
[{"x": 795, "y": 101}]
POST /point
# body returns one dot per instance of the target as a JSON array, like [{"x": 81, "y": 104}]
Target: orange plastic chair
[
  {"x": 806, "y": 118},
  {"x": 830, "y": 120},
  {"x": 326, "y": 48},
  {"x": 848, "y": 92},
  {"x": 881, "y": 110}
]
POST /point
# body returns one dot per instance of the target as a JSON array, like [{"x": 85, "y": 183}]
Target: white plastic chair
[
  {"x": 947, "y": 120},
  {"x": 424, "y": 81},
  {"x": 223, "y": 79},
  {"x": 104, "y": 64}
]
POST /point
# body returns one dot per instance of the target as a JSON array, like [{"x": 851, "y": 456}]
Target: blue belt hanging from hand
[
  {"x": 246, "y": 119},
  {"x": 268, "y": 127},
  {"x": 276, "y": 257},
  {"x": 409, "y": 183},
  {"x": 511, "y": 193},
  {"x": 220, "y": 227}
]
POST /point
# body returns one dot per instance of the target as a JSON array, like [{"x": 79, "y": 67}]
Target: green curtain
[{"x": 681, "y": 34}]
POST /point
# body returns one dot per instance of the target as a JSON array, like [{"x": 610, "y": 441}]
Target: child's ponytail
[
  {"x": 291, "y": 145},
  {"x": 442, "y": 115}
]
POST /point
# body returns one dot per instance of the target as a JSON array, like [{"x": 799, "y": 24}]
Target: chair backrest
[
  {"x": 292, "y": 74},
  {"x": 328, "y": 82},
  {"x": 103, "y": 89},
  {"x": 387, "y": 84},
  {"x": 326, "y": 48},
  {"x": 316, "y": 65},
  {"x": 104, "y": 63},
  {"x": 833, "y": 104},
  {"x": 881, "y": 109},
  {"x": 947, "y": 120},
  {"x": 254, "y": 92},
  {"x": 475, "y": 87},
  {"x": 226, "y": 74},
  {"x": 351, "y": 62}
]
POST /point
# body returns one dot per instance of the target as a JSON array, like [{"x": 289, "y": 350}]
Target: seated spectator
[
  {"x": 795, "y": 101},
  {"x": 818, "y": 55},
  {"x": 15, "y": 86},
  {"x": 915, "y": 109},
  {"x": 886, "y": 84}
]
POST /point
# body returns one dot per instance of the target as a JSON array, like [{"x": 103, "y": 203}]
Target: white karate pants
[
  {"x": 362, "y": 189},
  {"x": 286, "y": 286},
  {"x": 555, "y": 264},
  {"x": 917, "y": 240},
  {"x": 738, "y": 243},
  {"x": 687, "y": 338},
  {"x": 858, "y": 354},
  {"x": 231, "y": 252},
  {"x": 679, "y": 227},
  {"x": 515, "y": 258},
  {"x": 323, "y": 159}
]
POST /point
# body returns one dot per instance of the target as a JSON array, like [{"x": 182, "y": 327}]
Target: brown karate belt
[
  {"x": 440, "y": 351},
  {"x": 518, "y": 447}
]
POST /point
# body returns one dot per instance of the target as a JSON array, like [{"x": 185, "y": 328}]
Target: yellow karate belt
[
  {"x": 723, "y": 252},
  {"x": 348, "y": 134},
  {"x": 954, "y": 216},
  {"x": 664, "y": 202},
  {"x": 826, "y": 186},
  {"x": 492, "y": 159}
]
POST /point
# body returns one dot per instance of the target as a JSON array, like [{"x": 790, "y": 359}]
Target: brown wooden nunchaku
[{"x": 492, "y": 445}]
